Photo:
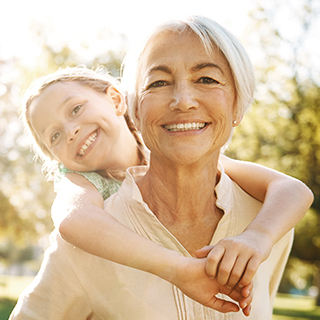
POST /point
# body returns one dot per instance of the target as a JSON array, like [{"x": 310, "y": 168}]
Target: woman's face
[{"x": 186, "y": 98}]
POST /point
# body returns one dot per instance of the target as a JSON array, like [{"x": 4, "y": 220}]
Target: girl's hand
[
  {"x": 235, "y": 260},
  {"x": 189, "y": 275}
]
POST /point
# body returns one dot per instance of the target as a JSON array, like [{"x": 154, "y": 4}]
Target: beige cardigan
[{"x": 73, "y": 284}]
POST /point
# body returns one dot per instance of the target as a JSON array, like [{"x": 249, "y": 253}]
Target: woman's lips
[{"x": 185, "y": 126}]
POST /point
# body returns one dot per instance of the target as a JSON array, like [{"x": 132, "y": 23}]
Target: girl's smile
[
  {"x": 81, "y": 127},
  {"x": 85, "y": 148}
]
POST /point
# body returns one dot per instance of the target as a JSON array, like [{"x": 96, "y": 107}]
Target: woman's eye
[
  {"x": 76, "y": 110},
  {"x": 159, "y": 83},
  {"x": 55, "y": 136},
  {"x": 207, "y": 80}
]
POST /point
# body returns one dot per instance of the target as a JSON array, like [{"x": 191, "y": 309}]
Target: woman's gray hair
[{"x": 211, "y": 34}]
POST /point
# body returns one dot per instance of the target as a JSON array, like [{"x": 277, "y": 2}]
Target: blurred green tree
[
  {"x": 282, "y": 128},
  {"x": 25, "y": 195}
]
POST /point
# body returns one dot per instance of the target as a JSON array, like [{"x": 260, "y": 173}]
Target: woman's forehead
[{"x": 169, "y": 48}]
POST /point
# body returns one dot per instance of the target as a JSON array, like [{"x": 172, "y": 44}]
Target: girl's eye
[
  {"x": 157, "y": 84},
  {"x": 55, "y": 136},
  {"x": 207, "y": 80},
  {"x": 76, "y": 110}
]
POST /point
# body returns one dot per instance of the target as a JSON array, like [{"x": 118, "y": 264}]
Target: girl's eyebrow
[{"x": 65, "y": 101}]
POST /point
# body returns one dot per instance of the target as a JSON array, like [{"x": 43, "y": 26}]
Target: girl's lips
[{"x": 87, "y": 143}]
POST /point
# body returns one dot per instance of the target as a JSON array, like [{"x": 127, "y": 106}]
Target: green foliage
[
  {"x": 6, "y": 306},
  {"x": 25, "y": 195},
  {"x": 295, "y": 308},
  {"x": 282, "y": 129}
]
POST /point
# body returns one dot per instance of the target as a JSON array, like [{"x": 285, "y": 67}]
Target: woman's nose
[
  {"x": 72, "y": 133},
  {"x": 184, "y": 97}
]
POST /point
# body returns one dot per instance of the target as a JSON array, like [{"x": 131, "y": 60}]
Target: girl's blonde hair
[{"x": 98, "y": 80}]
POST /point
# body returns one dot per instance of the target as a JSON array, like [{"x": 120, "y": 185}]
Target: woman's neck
[
  {"x": 183, "y": 199},
  {"x": 179, "y": 190}
]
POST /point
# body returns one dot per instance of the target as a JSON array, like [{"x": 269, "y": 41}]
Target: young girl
[{"x": 83, "y": 133}]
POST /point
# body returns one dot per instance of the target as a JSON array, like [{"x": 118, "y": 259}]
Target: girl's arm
[
  {"x": 286, "y": 201},
  {"x": 78, "y": 215}
]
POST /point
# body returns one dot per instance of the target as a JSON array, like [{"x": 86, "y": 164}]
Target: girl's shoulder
[{"x": 106, "y": 187}]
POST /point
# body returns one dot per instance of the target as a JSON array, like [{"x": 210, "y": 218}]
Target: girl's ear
[{"x": 117, "y": 99}]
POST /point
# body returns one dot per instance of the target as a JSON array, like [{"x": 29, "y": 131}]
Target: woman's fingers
[{"x": 223, "y": 305}]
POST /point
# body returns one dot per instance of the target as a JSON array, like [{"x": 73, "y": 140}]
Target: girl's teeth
[{"x": 87, "y": 143}]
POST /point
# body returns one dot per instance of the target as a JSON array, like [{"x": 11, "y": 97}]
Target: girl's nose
[
  {"x": 184, "y": 97},
  {"x": 72, "y": 133}
]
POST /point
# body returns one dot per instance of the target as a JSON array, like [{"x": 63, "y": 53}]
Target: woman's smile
[
  {"x": 185, "y": 126},
  {"x": 187, "y": 93}
]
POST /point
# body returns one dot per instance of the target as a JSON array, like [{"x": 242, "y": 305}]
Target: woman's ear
[
  {"x": 237, "y": 121},
  {"x": 117, "y": 99}
]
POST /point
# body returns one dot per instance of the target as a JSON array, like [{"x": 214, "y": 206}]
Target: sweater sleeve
[{"x": 55, "y": 293}]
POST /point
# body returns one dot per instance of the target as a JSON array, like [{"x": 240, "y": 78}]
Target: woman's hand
[
  {"x": 190, "y": 277},
  {"x": 235, "y": 260}
]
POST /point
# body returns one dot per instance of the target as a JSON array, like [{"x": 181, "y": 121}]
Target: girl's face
[
  {"x": 186, "y": 98},
  {"x": 80, "y": 126}
]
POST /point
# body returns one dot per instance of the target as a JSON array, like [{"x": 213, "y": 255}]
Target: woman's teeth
[
  {"x": 88, "y": 143},
  {"x": 185, "y": 126}
]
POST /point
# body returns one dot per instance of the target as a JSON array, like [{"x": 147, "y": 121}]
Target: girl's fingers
[
  {"x": 250, "y": 271},
  {"x": 203, "y": 252},
  {"x": 213, "y": 261},
  {"x": 238, "y": 271},
  {"x": 226, "y": 267}
]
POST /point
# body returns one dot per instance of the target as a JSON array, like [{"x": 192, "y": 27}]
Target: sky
[
  {"x": 75, "y": 21},
  {"x": 93, "y": 27}
]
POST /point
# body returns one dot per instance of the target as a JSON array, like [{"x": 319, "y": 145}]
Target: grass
[
  {"x": 286, "y": 307},
  {"x": 10, "y": 288},
  {"x": 290, "y": 307},
  {"x": 6, "y": 306}
]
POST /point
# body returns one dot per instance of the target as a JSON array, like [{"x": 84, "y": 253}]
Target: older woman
[{"x": 194, "y": 83}]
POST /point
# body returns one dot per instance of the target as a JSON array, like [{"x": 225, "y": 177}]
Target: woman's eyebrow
[
  {"x": 162, "y": 68},
  {"x": 203, "y": 65}
]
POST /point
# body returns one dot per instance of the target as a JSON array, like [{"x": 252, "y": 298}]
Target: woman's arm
[
  {"x": 78, "y": 215},
  {"x": 286, "y": 201}
]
